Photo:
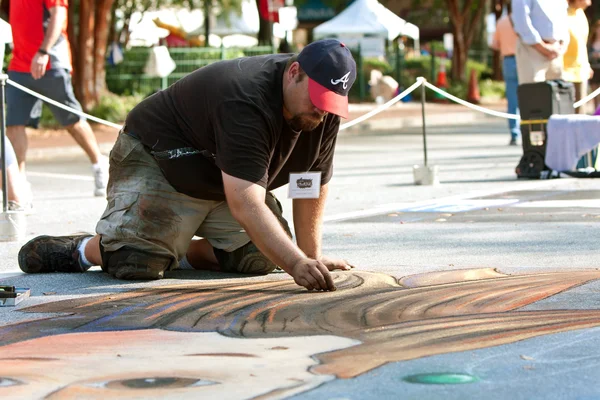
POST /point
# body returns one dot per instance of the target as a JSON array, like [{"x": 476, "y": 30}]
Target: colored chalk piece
[
  {"x": 445, "y": 378},
  {"x": 10, "y": 298}
]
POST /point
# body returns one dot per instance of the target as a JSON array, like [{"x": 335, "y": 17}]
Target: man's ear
[{"x": 293, "y": 71}]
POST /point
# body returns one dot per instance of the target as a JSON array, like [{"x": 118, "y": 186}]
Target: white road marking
[
  {"x": 460, "y": 205},
  {"x": 387, "y": 208},
  {"x": 584, "y": 203}
]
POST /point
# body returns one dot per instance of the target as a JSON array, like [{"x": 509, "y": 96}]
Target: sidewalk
[{"x": 48, "y": 143}]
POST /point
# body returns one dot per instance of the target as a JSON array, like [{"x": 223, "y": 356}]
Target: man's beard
[{"x": 306, "y": 121}]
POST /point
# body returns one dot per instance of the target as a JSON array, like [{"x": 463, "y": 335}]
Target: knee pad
[
  {"x": 131, "y": 264},
  {"x": 246, "y": 260}
]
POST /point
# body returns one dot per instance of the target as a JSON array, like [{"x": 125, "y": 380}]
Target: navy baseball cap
[{"x": 331, "y": 71}]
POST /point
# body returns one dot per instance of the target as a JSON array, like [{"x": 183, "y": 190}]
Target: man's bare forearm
[
  {"x": 308, "y": 221},
  {"x": 58, "y": 15}
]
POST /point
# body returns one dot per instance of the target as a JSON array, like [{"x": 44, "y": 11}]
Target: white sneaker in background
[
  {"x": 26, "y": 208},
  {"x": 100, "y": 177}
]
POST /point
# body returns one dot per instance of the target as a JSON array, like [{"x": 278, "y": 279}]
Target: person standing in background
[
  {"x": 543, "y": 38},
  {"x": 594, "y": 58},
  {"x": 505, "y": 41},
  {"x": 42, "y": 62},
  {"x": 577, "y": 67}
]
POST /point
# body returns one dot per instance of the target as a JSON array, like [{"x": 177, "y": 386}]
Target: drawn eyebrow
[{"x": 31, "y": 359}]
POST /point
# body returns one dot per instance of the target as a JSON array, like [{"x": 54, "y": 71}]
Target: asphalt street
[{"x": 480, "y": 216}]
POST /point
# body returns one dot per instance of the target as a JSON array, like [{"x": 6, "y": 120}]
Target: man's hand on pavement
[
  {"x": 312, "y": 274},
  {"x": 38, "y": 65},
  {"x": 336, "y": 263}
]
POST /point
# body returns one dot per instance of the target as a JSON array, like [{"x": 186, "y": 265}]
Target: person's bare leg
[
  {"x": 200, "y": 255},
  {"x": 84, "y": 136},
  {"x": 14, "y": 184},
  {"x": 18, "y": 138},
  {"x": 92, "y": 251}
]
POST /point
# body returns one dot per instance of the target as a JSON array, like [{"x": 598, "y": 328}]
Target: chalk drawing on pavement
[{"x": 124, "y": 342}]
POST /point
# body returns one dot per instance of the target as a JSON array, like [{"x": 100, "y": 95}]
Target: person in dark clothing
[{"x": 200, "y": 159}]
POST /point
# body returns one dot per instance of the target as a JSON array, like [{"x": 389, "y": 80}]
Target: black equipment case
[{"x": 537, "y": 102}]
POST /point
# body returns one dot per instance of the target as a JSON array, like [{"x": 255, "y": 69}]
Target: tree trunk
[
  {"x": 459, "y": 58},
  {"x": 464, "y": 23},
  {"x": 88, "y": 34},
  {"x": 207, "y": 9},
  {"x": 265, "y": 33},
  {"x": 265, "y": 30},
  {"x": 101, "y": 32}
]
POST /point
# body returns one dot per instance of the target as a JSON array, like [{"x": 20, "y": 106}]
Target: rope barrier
[
  {"x": 420, "y": 81},
  {"x": 470, "y": 105},
  {"x": 385, "y": 106},
  {"x": 57, "y": 104},
  {"x": 586, "y": 98}
]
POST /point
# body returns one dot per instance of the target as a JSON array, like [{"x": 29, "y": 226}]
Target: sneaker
[
  {"x": 26, "y": 208},
  {"x": 100, "y": 177},
  {"x": 52, "y": 254},
  {"x": 513, "y": 142}
]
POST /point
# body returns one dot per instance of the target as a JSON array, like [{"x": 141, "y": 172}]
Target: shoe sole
[{"x": 24, "y": 252}]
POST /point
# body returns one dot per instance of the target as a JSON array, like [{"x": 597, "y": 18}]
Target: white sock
[
  {"x": 102, "y": 163},
  {"x": 81, "y": 250},
  {"x": 185, "y": 264}
]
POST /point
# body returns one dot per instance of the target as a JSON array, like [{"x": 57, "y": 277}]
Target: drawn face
[
  {"x": 157, "y": 364},
  {"x": 164, "y": 337}
]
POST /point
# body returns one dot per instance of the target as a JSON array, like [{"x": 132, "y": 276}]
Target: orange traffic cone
[
  {"x": 473, "y": 91},
  {"x": 442, "y": 81}
]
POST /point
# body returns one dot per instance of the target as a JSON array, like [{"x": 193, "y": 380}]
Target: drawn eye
[
  {"x": 154, "y": 383},
  {"x": 6, "y": 382}
]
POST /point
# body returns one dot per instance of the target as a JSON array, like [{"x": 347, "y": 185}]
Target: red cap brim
[{"x": 326, "y": 100}]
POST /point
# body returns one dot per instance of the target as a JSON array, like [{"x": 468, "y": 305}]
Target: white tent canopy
[
  {"x": 144, "y": 31},
  {"x": 366, "y": 17}
]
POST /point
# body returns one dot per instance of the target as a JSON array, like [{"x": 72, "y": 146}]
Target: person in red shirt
[{"x": 42, "y": 62}]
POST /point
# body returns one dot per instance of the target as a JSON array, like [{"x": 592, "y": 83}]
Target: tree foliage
[{"x": 92, "y": 27}]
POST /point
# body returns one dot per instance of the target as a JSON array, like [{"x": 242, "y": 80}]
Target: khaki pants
[
  {"x": 580, "y": 93},
  {"x": 534, "y": 67},
  {"x": 146, "y": 215}
]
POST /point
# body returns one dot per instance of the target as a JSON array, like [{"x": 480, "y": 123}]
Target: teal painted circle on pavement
[{"x": 441, "y": 378}]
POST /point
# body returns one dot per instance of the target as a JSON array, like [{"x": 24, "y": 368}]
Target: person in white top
[{"x": 543, "y": 38}]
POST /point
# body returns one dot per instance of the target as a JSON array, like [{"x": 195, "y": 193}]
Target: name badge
[{"x": 306, "y": 185}]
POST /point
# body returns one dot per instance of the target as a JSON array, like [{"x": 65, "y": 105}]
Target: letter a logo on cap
[{"x": 344, "y": 79}]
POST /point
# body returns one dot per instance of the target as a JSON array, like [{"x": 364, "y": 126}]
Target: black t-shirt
[{"x": 232, "y": 110}]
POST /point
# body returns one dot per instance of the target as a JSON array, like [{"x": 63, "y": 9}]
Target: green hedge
[
  {"x": 111, "y": 108},
  {"x": 128, "y": 77}
]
